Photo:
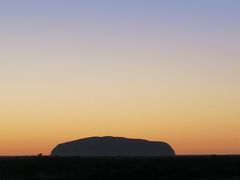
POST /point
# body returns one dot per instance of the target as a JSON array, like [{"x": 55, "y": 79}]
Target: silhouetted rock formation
[{"x": 113, "y": 146}]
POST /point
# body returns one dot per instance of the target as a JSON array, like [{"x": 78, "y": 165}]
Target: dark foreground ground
[{"x": 76, "y": 168}]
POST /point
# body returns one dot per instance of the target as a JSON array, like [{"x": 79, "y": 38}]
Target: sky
[{"x": 164, "y": 70}]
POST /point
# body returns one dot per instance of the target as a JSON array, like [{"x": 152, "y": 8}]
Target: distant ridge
[{"x": 113, "y": 146}]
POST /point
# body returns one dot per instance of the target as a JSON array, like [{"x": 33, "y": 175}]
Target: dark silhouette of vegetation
[{"x": 138, "y": 168}]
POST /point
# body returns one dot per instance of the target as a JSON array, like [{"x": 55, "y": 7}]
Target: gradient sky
[{"x": 155, "y": 69}]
